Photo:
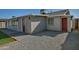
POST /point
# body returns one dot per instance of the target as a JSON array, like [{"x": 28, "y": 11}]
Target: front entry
[{"x": 64, "y": 24}]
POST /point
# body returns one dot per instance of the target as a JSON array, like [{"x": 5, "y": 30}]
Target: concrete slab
[{"x": 48, "y": 40}]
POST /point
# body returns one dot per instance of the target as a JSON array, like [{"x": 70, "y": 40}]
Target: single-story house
[
  {"x": 56, "y": 21},
  {"x": 2, "y": 23},
  {"x": 29, "y": 24}
]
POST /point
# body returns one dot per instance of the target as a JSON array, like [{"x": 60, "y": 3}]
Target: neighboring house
[
  {"x": 12, "y": 24},
  {"x": 2, "y": 23},
  {"x": 76, "y": 24},
  {"x": 56, "y": 21}
]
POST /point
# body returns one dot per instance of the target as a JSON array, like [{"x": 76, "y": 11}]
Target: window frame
[{"x": 50, "y": 21}]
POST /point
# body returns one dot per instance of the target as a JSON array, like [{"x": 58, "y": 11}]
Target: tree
[
  {"x": 42, "y": 11},
  {"x": 13, "y": 16}
]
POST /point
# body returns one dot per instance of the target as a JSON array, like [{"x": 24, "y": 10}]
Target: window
[
  {"x": 14, "y": 22},
  {"x": 50, "y": 21}
]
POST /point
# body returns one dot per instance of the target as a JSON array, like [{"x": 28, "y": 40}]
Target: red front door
[{"x": 64, "y": 24}]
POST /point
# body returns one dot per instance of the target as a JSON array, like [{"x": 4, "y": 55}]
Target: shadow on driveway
[
  {"x": 43, "y": 33},
  {"x": 71, "y": 42},
  {"x": 12, "y": 32},
  {"x": 47, "y": 33}
]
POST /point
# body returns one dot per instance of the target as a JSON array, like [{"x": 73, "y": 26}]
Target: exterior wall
[
  {"x": 38, "y": 24},
  {"x": 27, "y": 25},
  {"x": 2, "y": 24},
  {"x": 20, "y": 24},
  {"x": 73, "y": 24},
  {"x": 33, "y": 25},
  {"x": 10, "y": 26},
  {"x": 69, "y": 22},
  {"x": 78, "y": 25},
  {"x": 56, "y": 24}
]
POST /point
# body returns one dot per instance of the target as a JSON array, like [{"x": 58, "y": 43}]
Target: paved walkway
[{"x": 48, "y": 40}]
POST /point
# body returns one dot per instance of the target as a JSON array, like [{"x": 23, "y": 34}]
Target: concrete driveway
[
  {"x": 43, "y": 41},
  {"x": 48, "y": 40}
]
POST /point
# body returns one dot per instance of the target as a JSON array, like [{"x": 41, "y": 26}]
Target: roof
[
  {"x": 61, "y": 15},
  {"x": 52, "y": 14},
  {"x": 40, "y": 15},
  {"x": 3, "y": 19},
  {"x": 61, "y": 12},
  {"x": 76, "y": 18}
]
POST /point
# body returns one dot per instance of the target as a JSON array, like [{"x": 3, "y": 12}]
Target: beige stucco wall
[
  {"x": 69, "y": 25},
  {"x": 27, "y": 25},
  {"x": 73, "y": 24},
  {"x": 20, "y": 24},
  {"x": 2, "y": 24},
  {"x": 39, "y": 23},
  {"x": 57, "y": 26}
]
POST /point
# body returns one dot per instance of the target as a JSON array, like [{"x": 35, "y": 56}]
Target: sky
[{"x": 8, "y": 13}]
